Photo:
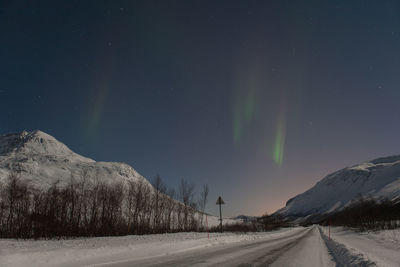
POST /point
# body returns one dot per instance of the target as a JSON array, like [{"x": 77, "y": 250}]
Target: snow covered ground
[
  {"x": 214, "y": 221},
  {"x": 380, "y": 248}
]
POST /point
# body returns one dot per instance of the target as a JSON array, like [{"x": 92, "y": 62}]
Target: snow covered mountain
[
  {"x": 41, "y": 160},
  {"x": 379, "y": 178}
]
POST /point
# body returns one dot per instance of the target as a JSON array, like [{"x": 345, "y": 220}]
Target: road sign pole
[
  {"x": 208, "y": 234},
  {"x": 220, "y": 217},
  {"x": 220, "y": 202}
]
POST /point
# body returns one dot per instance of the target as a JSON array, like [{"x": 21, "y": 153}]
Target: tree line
[
  {"x": 367, "y": 214},
  {"x": 98, "y": 209}
]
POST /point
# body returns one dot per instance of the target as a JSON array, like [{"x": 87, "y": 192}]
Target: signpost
[
  {"x": 208, "y": 234},
  {"x": 220, "y": 202}
]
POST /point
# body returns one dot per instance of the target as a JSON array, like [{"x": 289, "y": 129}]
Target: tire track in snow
[{"x": 274, "y": 254}]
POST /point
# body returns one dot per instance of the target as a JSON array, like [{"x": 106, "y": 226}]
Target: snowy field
[{"x": 296, "y": 246}]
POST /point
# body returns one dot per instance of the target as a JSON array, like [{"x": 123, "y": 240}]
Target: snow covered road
[
  {"x": 91, "y": 251},
  {"x": 302, "y": 247},
  {"x": 254, "y": 253},
  {"x": 296, "y": 246}
]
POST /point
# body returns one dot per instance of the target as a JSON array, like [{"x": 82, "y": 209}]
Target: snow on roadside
[
  {"x": 369, "y": 248},
  {"x": 84, "y": 251},
  {"x": 343, "y": 256}
]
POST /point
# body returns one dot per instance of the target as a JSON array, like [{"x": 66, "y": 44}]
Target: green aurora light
[
  {"x": 280, "y": 137},
  {"x": 244, "y": 110},
  {"x": 279, "y": 145}
]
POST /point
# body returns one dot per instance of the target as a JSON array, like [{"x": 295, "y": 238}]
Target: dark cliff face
[
  {"x": 390, "y": 159},
  {"x": 290, "y": 200},
  {"x": 36, "y": 140},
  {"x": 11, "y": 141}
]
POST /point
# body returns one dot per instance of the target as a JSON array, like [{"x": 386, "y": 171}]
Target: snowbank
[{"x": 365, "y": 249}]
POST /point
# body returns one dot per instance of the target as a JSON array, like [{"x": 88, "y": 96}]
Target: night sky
[{"x": 259, "y": 99}]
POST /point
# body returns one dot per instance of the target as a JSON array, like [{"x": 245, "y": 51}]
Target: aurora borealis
[
  {"x": 279, "y": 147},
  {"x": 259, "y": 99},
  {"x": 244, "y": 109}
]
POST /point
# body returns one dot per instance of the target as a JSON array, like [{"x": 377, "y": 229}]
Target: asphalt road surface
[{"x": 284, "y": 250}]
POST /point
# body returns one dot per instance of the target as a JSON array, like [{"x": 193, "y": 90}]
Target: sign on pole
[{"x": 220, "y": 202}]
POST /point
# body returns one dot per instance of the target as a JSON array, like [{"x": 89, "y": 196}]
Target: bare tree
[
  {"x": 202, "y": 202},
  {"x": 186, "y": 191},
  {"x": 14, "y": 196},
  {"x": 170, "y": 208},
  {"x": 130, "y": 205},
  {"x": 158, "y": 201}
]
